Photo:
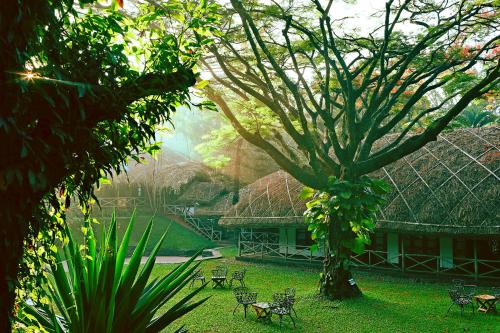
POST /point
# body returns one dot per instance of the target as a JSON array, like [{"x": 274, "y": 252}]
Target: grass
[
  {"x": 389, "y": 304},
  {"x": 179, "y": 240}
]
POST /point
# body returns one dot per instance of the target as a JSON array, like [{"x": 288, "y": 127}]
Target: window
[
  {"x": 303, "y": 237},
  {"x": 417, "y": 244},
  {"x": 378, "y": 241}
]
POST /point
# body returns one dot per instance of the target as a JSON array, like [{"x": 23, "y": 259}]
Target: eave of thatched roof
[
  {"x": 272, "y": 200},
  {"x": 449, "y": 186}
]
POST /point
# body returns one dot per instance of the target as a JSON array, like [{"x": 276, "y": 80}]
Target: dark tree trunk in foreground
[
  {"x": 11, "y": 248},
  {"x": 15, "y": 213}
]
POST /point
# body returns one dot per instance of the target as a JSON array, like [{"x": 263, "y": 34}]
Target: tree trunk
[
  {"x": 11, "y": 249},
  {"x": 337, "y": 281},
  {"x": 237, "y": 172}
]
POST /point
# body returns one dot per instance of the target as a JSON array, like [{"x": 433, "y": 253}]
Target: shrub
[{"x": 99, "y": 293}]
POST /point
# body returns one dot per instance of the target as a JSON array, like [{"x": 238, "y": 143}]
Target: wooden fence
[{"x": 378, "y": 260}]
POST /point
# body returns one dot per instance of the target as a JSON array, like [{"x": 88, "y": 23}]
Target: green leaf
[
  {"x": 202, "y": 84},
  {"x": 345, "y": 195},
  {"x": 306, "y": 193},
  {"x": 86, "y": 297}
]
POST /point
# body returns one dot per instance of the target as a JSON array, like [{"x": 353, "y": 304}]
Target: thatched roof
[
  {"x": 170, "y": 178},
  {"x": 273, "y": 199},
  {"x": 202, "y": 192},
  {"x": 166, "y": 176},
  {"x": 449, "y": 186},
  {"x": 218, "y": 207}
]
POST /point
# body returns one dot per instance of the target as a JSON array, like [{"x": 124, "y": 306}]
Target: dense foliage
[{"x": 82, "y": 89}]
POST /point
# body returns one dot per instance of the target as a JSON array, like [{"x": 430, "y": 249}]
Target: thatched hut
[
  {"x": 441, "y": 216},
  {"x": 167, "y": 179}
]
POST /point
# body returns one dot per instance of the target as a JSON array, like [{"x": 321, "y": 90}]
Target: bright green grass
[
  {"x": 179, "y": 240},
  {"x": 389, "y": 305}
]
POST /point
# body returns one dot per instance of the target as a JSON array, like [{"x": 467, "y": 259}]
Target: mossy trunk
[{"x": 337, "y": 281}]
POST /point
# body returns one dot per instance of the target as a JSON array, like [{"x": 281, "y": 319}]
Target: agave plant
[{"x": 99, "y": 293}]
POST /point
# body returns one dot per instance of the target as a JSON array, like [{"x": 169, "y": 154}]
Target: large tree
[
  {"x": 82, "y": 89},
  {"x": 338, "y": 91}
]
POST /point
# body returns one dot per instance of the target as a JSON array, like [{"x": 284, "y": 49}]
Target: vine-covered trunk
[{"x": 337, "y": 281}]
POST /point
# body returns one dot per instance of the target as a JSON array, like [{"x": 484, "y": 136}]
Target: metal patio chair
[
  {"x": 290, "y": 293},
  {"x": 238, "y": 276},
  {"x": 244, "y": 297},
  {"x": 219, "y": 277},
  {"x": 197, "y": 276},
  {"x": 281, "y": 307},
  {"x": 461, "y": 299}
]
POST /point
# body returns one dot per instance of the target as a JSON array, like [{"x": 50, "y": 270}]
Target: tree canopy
[
  {"x": 83, "y": 89},
  {"x": 336, "y": 92}
]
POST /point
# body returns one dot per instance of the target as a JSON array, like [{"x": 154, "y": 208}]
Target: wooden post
[
  {"x": 476, "y": 268},
  {"x": 286, "y": 243},
  {"x": 438, "y": 263},
  {"x": 239, "y": 244},
  {"x": 402, "y": 254}
]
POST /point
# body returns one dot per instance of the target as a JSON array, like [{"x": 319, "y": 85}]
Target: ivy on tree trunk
[{"x": 343, "y": 217}]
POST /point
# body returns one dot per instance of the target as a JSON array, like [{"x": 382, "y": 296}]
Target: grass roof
[{"x": 451, "y": 185}]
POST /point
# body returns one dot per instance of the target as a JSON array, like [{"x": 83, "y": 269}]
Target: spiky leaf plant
[{"x": 92, "y": 290}]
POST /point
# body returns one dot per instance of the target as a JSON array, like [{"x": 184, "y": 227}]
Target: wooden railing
[
  {"x": 379, "y": 260},
  {"x": 122, "y": 202},
  {"x": 269, "y": 250},
  {"x": 257, "y": 236},
  {"x": 206, "y": 226}
]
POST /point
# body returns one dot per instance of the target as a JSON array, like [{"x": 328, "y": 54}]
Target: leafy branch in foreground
[{"x": 99, "y": 293}]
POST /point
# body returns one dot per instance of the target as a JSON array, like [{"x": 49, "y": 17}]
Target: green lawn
[
  {"x": 179, "y": 240},
  {"x": 389, "y": 305}
]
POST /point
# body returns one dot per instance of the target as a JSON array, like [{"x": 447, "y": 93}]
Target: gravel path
[{"x": 177, "y": 260}]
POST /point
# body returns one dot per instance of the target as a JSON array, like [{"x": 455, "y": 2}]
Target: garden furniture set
[
  {"x": 463, "y": 295},
  {"x": 282, "y": 304},
  {"x": 219, "y": 277}
]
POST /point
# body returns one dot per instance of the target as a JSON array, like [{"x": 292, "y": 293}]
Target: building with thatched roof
[
  {"x": 167, "y": 179},
  {"x": 441, "y": 216}
]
